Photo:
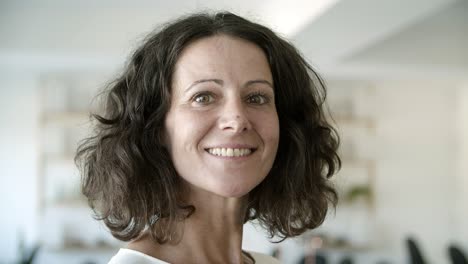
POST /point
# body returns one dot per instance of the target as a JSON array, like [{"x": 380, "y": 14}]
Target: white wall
[
  {"x": 18, "y": 161},
  {"x": 461, "y": 200},
  {"x": 416, "y": 169},
  {"x": 416, "y": 183}
]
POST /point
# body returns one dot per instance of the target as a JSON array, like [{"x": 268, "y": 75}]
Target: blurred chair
[
  {"x": 29, "y": 257},
  {"x": 313, "y": 259},
  {"x": 320, "y": 259},
  {"x": 415, "y": 253},
  {"x": 346, "y": 260},
  {"x": 456, "y": 255}
]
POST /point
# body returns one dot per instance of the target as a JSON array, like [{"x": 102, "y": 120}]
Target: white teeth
[{"x": 229, "y": 152}]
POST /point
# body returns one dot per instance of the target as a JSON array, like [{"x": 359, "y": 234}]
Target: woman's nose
[{"x": 234, "y": 117}]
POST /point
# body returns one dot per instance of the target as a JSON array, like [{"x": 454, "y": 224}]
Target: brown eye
[
  {"x": 258, "y": 99},
  {"x": 203, "y": 98}
]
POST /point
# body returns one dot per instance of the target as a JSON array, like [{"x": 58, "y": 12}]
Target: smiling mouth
[{"x": 230, "y": 152}]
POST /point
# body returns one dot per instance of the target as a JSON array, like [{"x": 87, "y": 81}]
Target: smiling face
[{"x": 222, "y": 127}]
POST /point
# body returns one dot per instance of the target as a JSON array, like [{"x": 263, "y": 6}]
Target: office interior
[{"x": 397, "y": 78}]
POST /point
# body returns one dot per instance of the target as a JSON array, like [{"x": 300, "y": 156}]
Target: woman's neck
[{"x": 212, "y": 234}]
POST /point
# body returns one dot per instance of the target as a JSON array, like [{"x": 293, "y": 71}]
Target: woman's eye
[
  {"x": 203, "y": 98},
  {"x": 258, "y": 99}
]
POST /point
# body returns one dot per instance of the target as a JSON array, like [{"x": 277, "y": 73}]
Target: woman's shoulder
[
  {"x": 263, "y": 258},
  {"x": 126, "y": 256}
]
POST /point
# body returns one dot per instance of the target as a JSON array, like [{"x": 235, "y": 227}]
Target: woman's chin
[{"x": 234, "y": 190}]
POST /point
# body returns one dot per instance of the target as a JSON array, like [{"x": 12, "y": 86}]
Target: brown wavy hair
[{"x": 127, "y": 173}]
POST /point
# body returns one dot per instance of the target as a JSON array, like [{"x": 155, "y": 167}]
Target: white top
[{"x": 129, "y": 256}]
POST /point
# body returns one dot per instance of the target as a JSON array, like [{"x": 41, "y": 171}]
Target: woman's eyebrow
[
  {"x": 221, "y": 82},
  {"x": 217, "y": 81},
  {"x": 261, "y": 81}
]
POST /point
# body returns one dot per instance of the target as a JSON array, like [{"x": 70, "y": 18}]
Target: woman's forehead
[{"x": 222, "y": 56}]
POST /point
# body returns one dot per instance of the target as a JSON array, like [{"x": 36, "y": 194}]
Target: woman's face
[{"x": 222, "y": 127}]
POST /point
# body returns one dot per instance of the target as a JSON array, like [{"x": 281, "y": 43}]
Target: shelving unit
[
  {"x": 62, "y": 123},
  {"x": 66, "y": 223},
  {"x": 357, "y": 130},
  {"x": 346, "y": 228}
]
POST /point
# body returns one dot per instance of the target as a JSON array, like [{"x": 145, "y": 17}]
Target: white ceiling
[
  {"x": 440, "y": 40},
  {"x": 347, "y": 38},
  {"x": 390, "y": 39}
]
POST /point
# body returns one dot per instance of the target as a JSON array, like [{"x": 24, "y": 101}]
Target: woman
[{"x": 215, "y": 121}]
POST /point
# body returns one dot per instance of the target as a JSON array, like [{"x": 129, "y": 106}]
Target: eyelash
[
  {"x": 198, "y": 95},
  {"x": 264, "y": 96}
]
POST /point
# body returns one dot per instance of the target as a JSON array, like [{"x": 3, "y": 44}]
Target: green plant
[{"x": 359, "y": 191}]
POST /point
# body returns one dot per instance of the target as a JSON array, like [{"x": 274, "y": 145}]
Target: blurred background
[{"x": 397, "y": 74}]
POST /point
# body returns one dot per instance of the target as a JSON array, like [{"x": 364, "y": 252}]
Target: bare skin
[{"x": 212, "y": 234}]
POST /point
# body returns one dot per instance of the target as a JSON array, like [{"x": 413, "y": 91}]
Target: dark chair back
[
  {"x": 313, "y": 259},
  {"x": 456, "y": 255},
  {"x": 320, "y": 259},
  {"x": 414, "y": 251},
  {"x": 347, "y": 260}
]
